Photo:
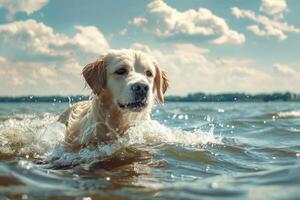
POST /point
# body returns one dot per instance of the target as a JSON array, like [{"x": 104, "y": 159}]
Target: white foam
[
  {"x": 154, "y": 132},
  {"x": 144, "y": 133},
  {"x": 30, "y": 135},
  {"x": 43, "y": 137},
  {"x": 289, "y": 114}
]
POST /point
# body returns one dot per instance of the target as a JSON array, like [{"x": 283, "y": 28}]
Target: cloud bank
[
  {"x": 26, "y": 6},
  {"x": 165, "y": 21},
  {"x": 39, "y": 60}
]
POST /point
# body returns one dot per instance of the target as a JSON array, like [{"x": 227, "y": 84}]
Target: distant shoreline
[{"x": 195, "y": 97}]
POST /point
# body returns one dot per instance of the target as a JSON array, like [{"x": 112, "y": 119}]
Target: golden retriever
[{"x": 125, "y": 84}]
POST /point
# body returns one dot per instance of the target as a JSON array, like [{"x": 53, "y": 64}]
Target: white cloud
[
  {"x": 165, "y": 21},
  {"x": 40, "y": 61},
  {"x": 269, "y": 31},
  {"x": 2, "y": 60},
  {"x": 46, "y": 72},
  {"x": 190, "y": 70},
  {"x": 284, "y": 69},
  {"x": 40, "y": 78},
  {"x": 275, "y": 8},
  {"x": 230, "y": 37},
  {"x": 31, "y": 39},
  {"x": 123, "y": 32},
  {"x": 27, "y": 6},
  {"x": 230, "y": 63},
  {"x": 138, "y": 21},
  {"x": 273, "y": 27},
  {"x": 90, "y": 39}
]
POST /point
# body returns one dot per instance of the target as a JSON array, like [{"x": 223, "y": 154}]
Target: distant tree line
[
  {"x": 235, "y": 97},
  {"x": 195, "y": 97},
  {"x": 41, "y": 99}
]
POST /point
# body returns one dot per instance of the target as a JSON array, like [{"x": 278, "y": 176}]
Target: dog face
[{"x": 132, "y": 78}]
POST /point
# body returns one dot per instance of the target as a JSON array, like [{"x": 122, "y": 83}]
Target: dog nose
[
  {"x": 140, "y": 87},
  {"x": 140, "y": 90}
]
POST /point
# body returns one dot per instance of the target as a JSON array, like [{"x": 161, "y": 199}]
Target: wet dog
[{"x": 125, "y": 84}]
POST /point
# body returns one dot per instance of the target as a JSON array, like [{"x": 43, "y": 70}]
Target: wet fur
[{"x": 99, "y": 120}]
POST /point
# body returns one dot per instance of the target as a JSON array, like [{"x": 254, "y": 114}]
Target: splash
[
  {"x": 30, "y": 135},
  {"x": 42, "y": 137},
  {"x": 154, "y": 132}
]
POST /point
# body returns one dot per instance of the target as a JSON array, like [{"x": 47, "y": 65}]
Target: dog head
[{"x": 132, "y": 78}]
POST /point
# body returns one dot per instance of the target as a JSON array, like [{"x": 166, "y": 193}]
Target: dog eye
[
  {"x": 121, "y": 71},
  {"x": 149, "y": 73}
]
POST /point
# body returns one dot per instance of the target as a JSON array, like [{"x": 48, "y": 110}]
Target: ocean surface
[{"x": 188, "y": 151}]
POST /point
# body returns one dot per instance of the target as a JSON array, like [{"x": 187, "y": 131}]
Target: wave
[
  {"x": 42, "y": 137},
  {"x": 29, "y": 135},
  {"x": 293, "y": 114},
  {"x": 289, "y": 114}
]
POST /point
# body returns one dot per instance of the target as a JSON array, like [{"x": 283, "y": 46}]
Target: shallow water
[{"x": 188, "y": 151}]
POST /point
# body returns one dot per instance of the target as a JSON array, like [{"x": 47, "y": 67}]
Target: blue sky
[{"x": 204, "y": 45}]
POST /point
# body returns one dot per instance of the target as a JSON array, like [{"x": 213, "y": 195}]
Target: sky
[{"x": 211, "y": 46}]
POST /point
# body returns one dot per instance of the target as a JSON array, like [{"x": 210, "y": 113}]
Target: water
[{"x": 188, "y": 151}]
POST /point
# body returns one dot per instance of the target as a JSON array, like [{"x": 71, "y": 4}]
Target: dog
[{"x": 125, "y": 84}]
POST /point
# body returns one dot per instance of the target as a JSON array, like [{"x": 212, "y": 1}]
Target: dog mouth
[{"x": 136, "y": 106}]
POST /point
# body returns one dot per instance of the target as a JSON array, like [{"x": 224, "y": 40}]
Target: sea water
[{"x": 187, "y": 151}]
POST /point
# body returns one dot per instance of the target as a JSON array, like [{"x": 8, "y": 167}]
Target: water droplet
[
  {"x": 70, "y": 101},
  {"x": 214, "y": 184},
  {"x": 207, "y": 168},
  {"x": 25, "y": 164},
  {"x": 208, "y": 118}
]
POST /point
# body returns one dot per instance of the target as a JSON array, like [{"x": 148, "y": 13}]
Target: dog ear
[
  {"x": 95, "y": 76},
  {"x": 161, "y": 84}
]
